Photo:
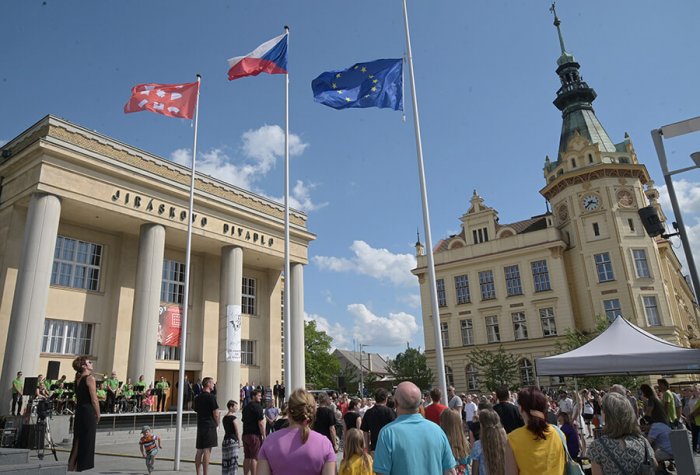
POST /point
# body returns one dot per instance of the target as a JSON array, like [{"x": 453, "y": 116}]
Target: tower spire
[{"x": 557, "y": 22}]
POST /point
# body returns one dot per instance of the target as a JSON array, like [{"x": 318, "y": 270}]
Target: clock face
[
  {"x": 590, "y": 202},
  {"x": 563, "y": 213},
  {"x": 625, "y": 198}
]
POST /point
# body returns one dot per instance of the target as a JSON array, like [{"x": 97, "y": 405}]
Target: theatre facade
[{"x": 93, "y": 235}]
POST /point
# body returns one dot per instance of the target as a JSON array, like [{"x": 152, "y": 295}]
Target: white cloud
[
  {"x": 412, "y": 300},
  {"x": 688, "y": 195},
  {"x": 335, "y": 330},
  {"x": 392, "y": 330},
  {"x": 2, "y": 142},
  {"x": 378, "y": 263}
]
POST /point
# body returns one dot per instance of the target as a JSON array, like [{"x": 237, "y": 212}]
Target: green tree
[
  {"x": 321, "y": 367},
  {"x": 411, "y": 365},
  {"x": 496, "y": 368}
]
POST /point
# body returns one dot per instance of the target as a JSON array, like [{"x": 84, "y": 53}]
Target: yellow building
[
  {"x": 522, "y": 285},
  {"x": 92, "y": 247}
]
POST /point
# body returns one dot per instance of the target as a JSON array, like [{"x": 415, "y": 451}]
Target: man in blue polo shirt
[{"x": 412, "y": 445}]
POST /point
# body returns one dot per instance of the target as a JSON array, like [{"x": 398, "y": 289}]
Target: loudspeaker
[
  {"x": 650, "y": 220},
  {"x": 52, "y": 370},
  {"x": 341, "y": 383},
  {"x": 30, "y": 386}
]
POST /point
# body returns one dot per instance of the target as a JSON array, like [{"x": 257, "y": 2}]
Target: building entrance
[{"x": 172, "y": 377}]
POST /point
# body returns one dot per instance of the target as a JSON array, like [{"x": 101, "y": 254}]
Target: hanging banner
[
  {"x": 233, "y": 333},
  {"x": 169, "y": 325}
]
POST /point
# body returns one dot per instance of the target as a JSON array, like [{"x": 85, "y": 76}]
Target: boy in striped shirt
[{"x": 149, "y": 445}]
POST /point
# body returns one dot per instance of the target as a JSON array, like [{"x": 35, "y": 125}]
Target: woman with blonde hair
[
  {"x": 489, "y": 452},
  {"x": 451, "y": 424},
  {"x": 356, "y": 460},
  {"x": 297, "y": 450}
]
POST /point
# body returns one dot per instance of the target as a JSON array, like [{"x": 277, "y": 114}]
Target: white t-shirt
[
  {"x": 455, "y": 402},
  {"x": 566, "y": 405},
  {"x": 470, "y": 410}
]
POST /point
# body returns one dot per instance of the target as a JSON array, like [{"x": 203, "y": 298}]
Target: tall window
[
  {"x": 442, "y": 298},
  {"x": 248, "y": 352},
  {"x": 519, "y": 326},
  {"x": 493, "y": 334},
  {"x": 640, "y": 263},
  {"x": 445, "y": 333},
  {"x": 603, "y": 266},
  {"x": 76, "y": 264},
  {"x": 462, "y": 289},
  {"x": 549, "y": 326},
  {"x": 67, "y": 338},
  {"x": 540, "y": 276},
  {"x": 172, "y": 289},
  {"x": 167, "y": 353},
  {"x": 480, "y": 235},
  {"x": 488, "y": 289},
  {"x": 248, "y": 297},
  {"x": 513, "y": 283},
  {"x": 612, "y": 308},
  {"x": 527, "y": 372},
  {"x": 472, "y": 375},
  {"x": 449, "y": 377},
  {"x": 652, "y": 311},
  {"x": 467, "y": 332}
]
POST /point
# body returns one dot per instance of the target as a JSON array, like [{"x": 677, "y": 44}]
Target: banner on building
[
  {"x": 169, "y": 325},
  {"x": 233, "y": 333}
]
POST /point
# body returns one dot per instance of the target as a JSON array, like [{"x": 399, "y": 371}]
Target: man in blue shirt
[{"x": 412, "y": 445}]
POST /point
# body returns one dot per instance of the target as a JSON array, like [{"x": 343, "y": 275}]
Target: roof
[
  {"x": 372, "y": 362},
  {"x": 529, "y": 225}
]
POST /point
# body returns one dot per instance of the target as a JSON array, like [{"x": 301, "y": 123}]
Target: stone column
[
  {"x": 144, "y": 320},
  {"x": 228, "y": 373},
  {"x": 31, "y": 295},
  {"x": 296, "y": 313}
]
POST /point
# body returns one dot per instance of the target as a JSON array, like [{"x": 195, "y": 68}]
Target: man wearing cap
[{"x": 207, "y": 422}]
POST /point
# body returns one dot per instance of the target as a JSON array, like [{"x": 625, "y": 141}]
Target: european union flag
[{"x": 375, "y": 84}]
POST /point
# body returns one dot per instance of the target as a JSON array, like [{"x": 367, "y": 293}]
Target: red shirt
[{"x": 433, "y": 411}]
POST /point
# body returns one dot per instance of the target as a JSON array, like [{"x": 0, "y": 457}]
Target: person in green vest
[
  {"x": 127, "y": 395},
  {"x": 162, "y": 388},
  {"x": 111, "y": 385},
  {"x": 101, "y": 394},
  {"x": 17, "y": 388}
]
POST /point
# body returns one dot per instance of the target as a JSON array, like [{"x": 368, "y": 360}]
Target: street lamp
[
  {"x": 362, "y": 372},
  {"x": 657, "y": 135}
]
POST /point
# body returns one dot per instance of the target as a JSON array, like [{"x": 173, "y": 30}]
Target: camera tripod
[{"x": 42, "y": 429}]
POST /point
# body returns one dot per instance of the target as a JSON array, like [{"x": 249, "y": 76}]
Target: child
[
  {"x": 149, "y": 445},
  {"x": 489, "y": 452},
  {"x": 148, "y": 401},
  {"x": 451, "y": 424},
  {"x": 356, "y": 460}
]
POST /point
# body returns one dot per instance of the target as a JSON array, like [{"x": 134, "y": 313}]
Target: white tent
[{"x": 623, "y": 349}]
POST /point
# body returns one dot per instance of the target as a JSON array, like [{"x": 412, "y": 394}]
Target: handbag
[{"x": 571, "y": 466}]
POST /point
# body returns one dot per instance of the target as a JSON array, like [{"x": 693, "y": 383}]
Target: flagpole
[
  {"x": 440, "y": 360},
  {"x": 186, "y": 294},
  {"x": 287, "y": 310}
]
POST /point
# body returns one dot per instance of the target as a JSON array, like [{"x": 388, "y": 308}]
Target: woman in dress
[
  {"x": 352, "y": 418},
  {"x": 536, "y": 448},
  {"x": 87, "y": 415},
  {"x": 297, "y": 450},
  {"x": 231, "y": 445},
  {"x": 622, "y": 449}
]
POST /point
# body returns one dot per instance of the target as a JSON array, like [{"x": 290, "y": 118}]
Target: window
[
  {"x": 472, "y": 377},
  {"x": 67, "y": 338},
  {"x": 612, "y": 309},
  {"x": 604, "y": 267},
  {"x": 248, "y": 297},
  {"x": 652, "y": 311},
  {"x": 76, "y": 264},
  {"x": 248, "y": 352},
  {"x": 462, "y": 289},
  {"x": 519, "y": 326},
  {"x": 573, "y": 163},
  {"x": 493, "y": 334},
  {"x": 467, "y": 332},
  {"x": 172, "y": 289},
  {"x": 630, "y": 222},
  {"x": 449, "y": 377},
  {"x": 442, "y": 298},
  {"x": 640, "y": 263},
  {"x": 445, "y": 333},
  {"x": 540, "y": 276},
  {"x": 549, "y": 326},
  {"x": 168, "y": 353},
  {"x": 513, "y": 284},
  {"x": 480, "y": 235},
  {"x": 596, "y": 229},
  {"x": 488, "y": 290},
  {"x": 527, "y": 372}
]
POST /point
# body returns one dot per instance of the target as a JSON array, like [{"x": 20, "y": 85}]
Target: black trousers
[{"x": 16, "y": 401}]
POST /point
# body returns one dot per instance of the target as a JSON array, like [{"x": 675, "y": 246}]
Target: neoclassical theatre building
[
  {"x": 92, "y": 250},
  {"x": 522, "y": 285}
]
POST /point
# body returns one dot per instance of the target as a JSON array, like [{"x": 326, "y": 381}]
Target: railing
[{"x": 132, "y": 422}]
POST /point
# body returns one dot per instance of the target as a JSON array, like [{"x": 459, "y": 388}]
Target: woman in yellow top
[
  {"x": 356, "y": 460},
  {"x": 536, "y": 448}
]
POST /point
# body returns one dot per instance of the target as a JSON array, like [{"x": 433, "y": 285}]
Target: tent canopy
[{"x": 622, "y": 349}]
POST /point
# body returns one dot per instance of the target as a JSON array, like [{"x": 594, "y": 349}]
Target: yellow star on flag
[
  {"x": 337, "y": 75},
  {"x": 364, "y": 70},
  {"x": 334, "y": 86},
  {"x": 356, "y": 67},
  {"x": 340, "y": 91},
  {"x": 375, "y": 81},
  {"x": 347, "y": 99},
  {"x": 374, "y": 89},
  {"x": 370, "y": 76}
]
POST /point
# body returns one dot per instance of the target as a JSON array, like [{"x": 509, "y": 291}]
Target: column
[
  {"x": 296, "y": 317},
  {"x": 144, "y": 320},
  {"x": 228, "y": 373},
  {"x": 31, "y": 295}
]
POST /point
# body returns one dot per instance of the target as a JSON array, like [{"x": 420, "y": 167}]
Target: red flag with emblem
[{"x": 173, "y": 100}]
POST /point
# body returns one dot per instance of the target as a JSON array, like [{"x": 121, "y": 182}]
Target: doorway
[{"x": 172, "y": 377}]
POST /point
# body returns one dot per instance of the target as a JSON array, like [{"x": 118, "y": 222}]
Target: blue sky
[{"x": 485, "y": 74}]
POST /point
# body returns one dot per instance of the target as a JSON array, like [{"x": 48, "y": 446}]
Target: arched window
[
  {"x": 527, "y": 372},
  {"x": 472, "y": 377},
  {"x": 449, "y": 377}
]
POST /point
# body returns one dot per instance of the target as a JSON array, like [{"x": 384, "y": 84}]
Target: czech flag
[{"x": 270, "y": 57}]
